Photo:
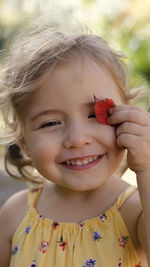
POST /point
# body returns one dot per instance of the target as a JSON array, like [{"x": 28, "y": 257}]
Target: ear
[{"x": 22, "y": 144}]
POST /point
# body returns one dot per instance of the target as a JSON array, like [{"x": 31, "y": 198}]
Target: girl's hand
[{"x": 133, "y": 133}]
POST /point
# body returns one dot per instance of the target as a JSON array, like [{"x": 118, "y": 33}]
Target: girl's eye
[
  {"x": 92, "y": 115},
  {"x": 49, "y": 124}
]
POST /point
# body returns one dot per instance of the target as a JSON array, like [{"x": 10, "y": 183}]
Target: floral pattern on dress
[
  {"x": 27, "y": 230},
  {"x": 103, "y": 217},
  {"x": 36, "y": 189},
  {"x": 138, "y": 265},
  {"x": 44, "y": 246},
  {"x": 81, "y": 225},
  {"x": 41, "y": 217},
  {"x": 90, "y": 263},
  {"x": 123, "y": 241},
  {"x": 55, "y": 225},
  {"x": 62, "y": 243},
  {"x": 33, "y": 264},
  {"x": 96, "y": 236},
  {"x": 119, "y": 263},
  {"x": 15, "y": 250}
]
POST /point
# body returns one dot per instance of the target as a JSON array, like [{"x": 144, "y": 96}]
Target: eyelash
[
  {"x": 50, "y": 123},
  {"x": 92, "y": 114},
  {"x": 53, "y": 123}
]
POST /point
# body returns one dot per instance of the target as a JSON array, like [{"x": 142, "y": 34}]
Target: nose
[{"x": 77, "y": 136}]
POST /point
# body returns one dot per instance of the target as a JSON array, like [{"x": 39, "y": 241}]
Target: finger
[
  {"x": 127, "y": 107},
  {"x": 131, "y": 128},
  {"x": 128, "y": 141},
  {"x": 134, "y": 116}
]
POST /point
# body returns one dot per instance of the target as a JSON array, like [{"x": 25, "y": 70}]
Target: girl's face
[{"x": 67, "y": 144}]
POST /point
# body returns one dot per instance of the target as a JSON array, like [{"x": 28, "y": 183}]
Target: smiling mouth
[
  {"x": 85, "y": 163},
  {"x": 81, "y": 162}
]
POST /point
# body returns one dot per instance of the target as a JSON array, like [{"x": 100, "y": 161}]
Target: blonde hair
[{"x": 36, "y": 52}]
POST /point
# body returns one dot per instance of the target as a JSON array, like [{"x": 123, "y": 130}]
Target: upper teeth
[{"x": 81, "y": 162}]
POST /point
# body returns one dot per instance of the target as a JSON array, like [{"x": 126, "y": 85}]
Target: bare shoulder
[
  {"x": 131, "y": 212},
  {"x": 11, "y": 214},
  {"x": 13, "y": 211}
]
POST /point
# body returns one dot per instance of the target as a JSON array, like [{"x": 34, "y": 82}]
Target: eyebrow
[{"x": 56, "y": 111}]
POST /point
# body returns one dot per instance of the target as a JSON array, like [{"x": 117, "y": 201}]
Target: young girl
[{"x": 80, "y": 213}]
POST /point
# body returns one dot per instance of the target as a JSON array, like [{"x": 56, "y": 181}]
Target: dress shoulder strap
[
  {"x": 33, "y": 195},
  {"x": 125, "y": 195}
]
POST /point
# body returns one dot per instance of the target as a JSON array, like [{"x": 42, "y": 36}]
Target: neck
[
  {"x": 63, "y": 194},
  {"x": 65, "y": 205}
]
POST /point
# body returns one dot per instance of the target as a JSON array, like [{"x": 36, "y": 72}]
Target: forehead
[{"x": 76, "y": 81}]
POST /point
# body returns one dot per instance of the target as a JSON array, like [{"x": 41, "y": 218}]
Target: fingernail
[{"x": 111, "y": 110}]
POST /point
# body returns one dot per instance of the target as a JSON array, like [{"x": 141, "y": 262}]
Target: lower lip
[{"x": 84, "y": 166}]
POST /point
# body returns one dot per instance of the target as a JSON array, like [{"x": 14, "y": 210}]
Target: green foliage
[
  {"x": 142, "y": 59},
  {"x": 129, "y": 37}
]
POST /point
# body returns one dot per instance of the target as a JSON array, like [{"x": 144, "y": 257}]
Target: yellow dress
[{"x": 102, "y": 241}]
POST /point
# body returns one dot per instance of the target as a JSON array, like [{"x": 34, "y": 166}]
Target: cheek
[
  {"x": 108, "y": 136},
  {"x": 112, "y": 135},
  {"x": 42, "y": 150},
  {"x": 117, "y": 153}
]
